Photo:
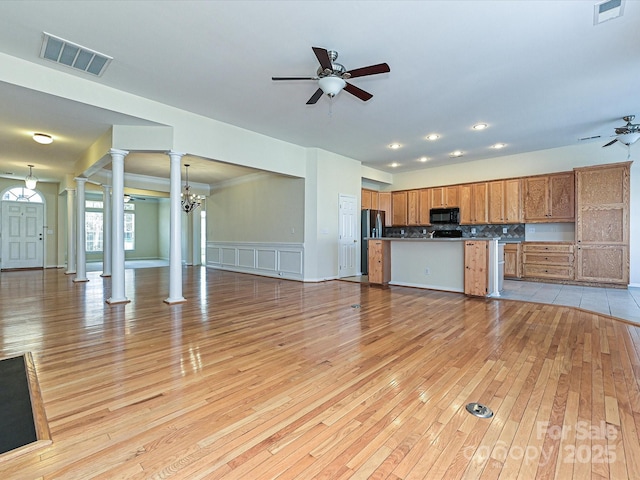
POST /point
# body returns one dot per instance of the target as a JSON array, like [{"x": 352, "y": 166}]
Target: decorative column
[
  {"x": 117, "y": 226},
  {"x": 81, "y": 239},
  {"x": 71, "y": 232},
  {"x": 106, "y": 231},
  {"x": 175, "y": 238}
]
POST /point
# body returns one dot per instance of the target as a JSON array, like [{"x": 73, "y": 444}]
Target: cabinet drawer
[
  {"x": 542, "y": 247},
  {"x": 548, "y": 271},
  {"x": 548, "y": 258}
]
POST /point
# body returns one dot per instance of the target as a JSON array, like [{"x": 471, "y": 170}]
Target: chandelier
[
  {"x": 31, "y": 180},
  {"x": 190, "y": 201}
]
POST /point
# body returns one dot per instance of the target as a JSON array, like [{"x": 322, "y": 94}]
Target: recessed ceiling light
[
  {"x": 433, "y": 136},
  {"x": 480, "y": 126},
  {"x": 43, "y": 138},
  {"x": 423, "y": 159},
  {"x": 395, "y": 164},
  {"x": 499, "y": 145},
  {"x": 394, "y": 146},
  {"x": 457, "y": 153}
]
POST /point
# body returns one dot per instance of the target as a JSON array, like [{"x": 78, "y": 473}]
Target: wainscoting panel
[{"x": 283, "y": 260}]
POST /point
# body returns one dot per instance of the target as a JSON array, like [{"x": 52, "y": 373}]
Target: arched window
[{"x": 22, "y": 194}]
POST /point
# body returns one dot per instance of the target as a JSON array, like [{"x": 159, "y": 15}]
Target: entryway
[{"x": 22, "y": 235}]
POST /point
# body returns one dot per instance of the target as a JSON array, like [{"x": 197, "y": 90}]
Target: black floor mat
[{"x": 16, "y": 416}]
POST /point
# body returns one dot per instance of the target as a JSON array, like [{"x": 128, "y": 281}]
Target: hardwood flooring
[{"x": 259, "y": 378}]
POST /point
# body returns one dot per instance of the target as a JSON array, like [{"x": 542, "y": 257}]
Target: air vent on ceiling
[
  {"x": 607, "y": 10},
  {"x": 73, "y": 55}
]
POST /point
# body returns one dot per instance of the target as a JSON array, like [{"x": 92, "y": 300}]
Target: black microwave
[{"x": 445, "y": 215}]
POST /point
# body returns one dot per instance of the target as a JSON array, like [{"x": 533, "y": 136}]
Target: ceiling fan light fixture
[
  {"x": 628, "y": 138},
  {"x": 331, "y": 85},
  {"x": 42, "y": 138}
]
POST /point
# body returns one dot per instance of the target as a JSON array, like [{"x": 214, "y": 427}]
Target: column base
[
  {"x": 117, "y": 301},
  {"x": 171, "y": 301},
  {"x": 105, "y": 275},
  {"x": 80, "y": 280},
  {"x": 68, "y": 272}
]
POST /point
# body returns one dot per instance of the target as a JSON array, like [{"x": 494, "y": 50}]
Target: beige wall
[{"x": 262, "y": 208}]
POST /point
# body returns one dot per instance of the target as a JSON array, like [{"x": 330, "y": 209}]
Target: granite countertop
[{"x": 422, "y": 239}]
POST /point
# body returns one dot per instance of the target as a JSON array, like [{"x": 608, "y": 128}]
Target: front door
[
  {"x": 348, "y": 236},
  {"x": 22, "y": 235}
]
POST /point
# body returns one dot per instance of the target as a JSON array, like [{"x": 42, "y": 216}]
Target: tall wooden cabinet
[
  {"x": 384, "y": 204},
  {"x": 399, "y": 208},
  {"x": 379, "y": 261},
  {"x": 602, "y": 223},
  {"x": 549, "y": 198},
  {"x": 413, "y": 208},
  {"x": 424, "y": 206}
]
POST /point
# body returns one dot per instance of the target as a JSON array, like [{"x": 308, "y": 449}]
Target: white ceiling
[{"x": 539, "y": 73}]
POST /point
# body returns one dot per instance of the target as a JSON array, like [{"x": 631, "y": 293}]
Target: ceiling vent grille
[
  {"x": 73, "y": 55},
  {"x": 607, "y": 10}
]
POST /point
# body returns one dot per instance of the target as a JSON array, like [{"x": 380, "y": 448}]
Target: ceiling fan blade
[
  {"x": 610, "y": 143},
  {"x": 323, "y": 57},
  {"x": 315, "y": 97},
  {"x": 294, "y": 78},
  {"x": 358, "y": 92},
  {"x": 370, "y": 70}
]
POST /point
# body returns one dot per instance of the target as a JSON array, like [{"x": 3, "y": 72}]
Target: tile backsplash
[{"x": 514, "y": 232}]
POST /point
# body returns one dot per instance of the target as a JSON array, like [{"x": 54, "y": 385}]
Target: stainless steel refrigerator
[{"x": 372, "y": 225}]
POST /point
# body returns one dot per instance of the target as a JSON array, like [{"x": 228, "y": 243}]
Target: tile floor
[{"x": 617, "y": 302}]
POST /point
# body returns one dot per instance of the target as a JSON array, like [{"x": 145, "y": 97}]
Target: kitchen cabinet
[
  {"x": 602, "y": 223},
  {"x": 384, "y": 204},
  {"x": 512, "y": 265},
  {"x": 548, "y": 260},
  {"x": 505, "y": 204},
  {"x": 379, "y": 262},
  {"x": 476, "y": 267},
  {"x": 442, "y": 197},
  {"x": 365, "y": 200},
  {"x": 549, "y": 198},
  {"x": 399, "y": 208},
  {"x": 473, "y": 203},
  {"x": 413, "y": 208},
  {"x": 369, "y": 199},
  {"x": 424, "y": 206}
]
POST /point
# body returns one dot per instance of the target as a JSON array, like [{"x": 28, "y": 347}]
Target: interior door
[
  {"x": 22, "y": 235},
  {"x": 348, "y": 247}
]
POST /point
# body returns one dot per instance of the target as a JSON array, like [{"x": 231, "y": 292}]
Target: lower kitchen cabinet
[
  {"x": 379, "y": 262},
  {"x": 512, "y": 266},
  {"x": 476, "y": 268},
  {"x": 548, "y": 260}
]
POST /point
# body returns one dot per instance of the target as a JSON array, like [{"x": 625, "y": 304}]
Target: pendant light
[
  {"x": 30, "y": 180},
  {"x": 190, "y": 201}
]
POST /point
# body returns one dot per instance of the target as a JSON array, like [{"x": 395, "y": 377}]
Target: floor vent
[
  {"x": 607, "y": 10},
  {"x": 73, "y": 55}
]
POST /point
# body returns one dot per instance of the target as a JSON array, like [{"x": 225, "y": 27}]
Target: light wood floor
[{"x": 257, "y": 378}]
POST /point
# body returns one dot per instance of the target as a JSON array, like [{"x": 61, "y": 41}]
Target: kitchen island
[{"x": 463, "y": 265}]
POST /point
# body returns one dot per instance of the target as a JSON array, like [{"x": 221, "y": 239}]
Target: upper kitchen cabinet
[
  {"x": 369, "y": 199},
  {"x": 424, "y": 206},
  {"x": 505, "y": 201},
  {"x": 602, "y": 223},
  {"x": 384, "y": 204},
  {"x": 399, "y": 208},
  {"x": 549, "y": 198},
  {"x": 473, "y": 203},
  {"x": 442, "y": 197},
  {"x": 413, "y": 207}
]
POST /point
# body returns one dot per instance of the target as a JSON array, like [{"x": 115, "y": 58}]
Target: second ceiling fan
[{"x": 332, "y": 77}]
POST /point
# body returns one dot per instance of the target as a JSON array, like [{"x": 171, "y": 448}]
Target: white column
[
  {"x": 71, "y": 232},
  {"x": 117, "y": 227},
  {"x": 175, "y": 238},
  {"x": 106, "y": 231},
  {"x": 81, "y": 240}
]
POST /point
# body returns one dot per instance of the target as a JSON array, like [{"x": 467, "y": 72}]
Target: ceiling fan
[
  {"x": 332, "y": 77},
  {"x": 628, "y": 134}
]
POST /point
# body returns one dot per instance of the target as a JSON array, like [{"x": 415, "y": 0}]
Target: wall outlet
[
  {"x": 504, "y": 229},
  {"x": 402, "y": 231},
  {"x": 473, "y": 231},
  {"x": 427, "y": 271},
  {"x": 424, "y": 231}
]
